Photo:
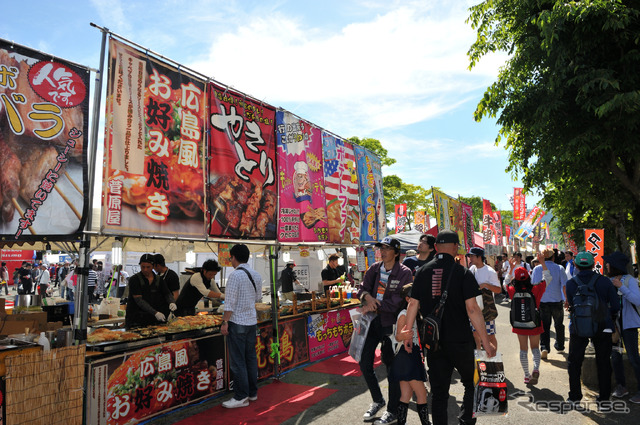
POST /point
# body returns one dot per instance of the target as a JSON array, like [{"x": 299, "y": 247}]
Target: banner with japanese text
[
  {"x": 467, "y": 223},
  {"x": 341, "y": 190},
  {"x": 372, "y": 208},
  {"x": 241, "y": 185},
  {"x": 420, "y": 221},
  {"x": 526, "y": 228},
  {"x": 497, "y": 225},
  {"x": 507, "y": 233},
  {"x": 329, "y": 333},
  {"x": 519, "y": 205},
  {"x": 594, "y": 243},
  {"x": 302, "y": 215},
  {"x": 491, "y": 224},
  {"x": 294, "y": 347},
  {"x": 401, "y": 217},
  {"x": 449, "y": 217},
  {"x": 569, "y": 244},
  {"x": 44, "y": 115},
  {"x": 127, "y": 388},
  {"x": 153, "y": 179}
]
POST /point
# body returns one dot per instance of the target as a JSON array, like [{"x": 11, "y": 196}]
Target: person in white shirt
[
  {"x": 570, "y": 269},
  {"x": 44, "y": 280},
  {"x": 489, "y": 285}
]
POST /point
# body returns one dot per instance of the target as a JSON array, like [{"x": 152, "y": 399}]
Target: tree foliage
[{"x": 567, "y": 102}]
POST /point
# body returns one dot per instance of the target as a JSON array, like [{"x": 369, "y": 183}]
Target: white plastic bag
[
  {"x": 361, "y": 325},
  {"x": 490, "y": 396}
]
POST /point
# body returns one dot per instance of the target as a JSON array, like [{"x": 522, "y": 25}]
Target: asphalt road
[{"x": 527, "y": 405}]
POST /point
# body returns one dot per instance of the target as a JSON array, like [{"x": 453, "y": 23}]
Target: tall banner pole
[{"x": 82, "y": 301}]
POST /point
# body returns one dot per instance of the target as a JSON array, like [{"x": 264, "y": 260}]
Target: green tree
[
  {"x": 416, "y": 197},
  {"x": 567, "y": 102},
  {"x": 374, "y": 146},
  {"x": 476, "y": 204}
]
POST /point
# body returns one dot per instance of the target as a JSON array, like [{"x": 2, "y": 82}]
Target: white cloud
[{"x": 112, "y": 12}]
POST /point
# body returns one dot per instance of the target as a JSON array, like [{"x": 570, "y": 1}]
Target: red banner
[
  {"x": 519, "y": 206},
  {"x": 569, "y": 243},
  {"x": 488, "y": 228},
  {"x": 497, "y": 223},
  {"x": 401, "y": 217},
  {"x": 594, "y": 243},
  {"x": 241, "y": 194}
]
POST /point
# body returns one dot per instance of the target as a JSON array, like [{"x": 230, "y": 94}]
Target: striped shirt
[
  {"x": 92, "y": 278},
  {"x": 240, "y": 297}
]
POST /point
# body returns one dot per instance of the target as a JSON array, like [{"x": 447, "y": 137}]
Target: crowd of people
[{"x": 604, "y": 310}]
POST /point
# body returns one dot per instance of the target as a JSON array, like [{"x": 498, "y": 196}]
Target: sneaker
[
  {"x": 370, "y": 415},
  {"x": 233, "y": 403},
  {"x": 636, "y": 398},
  {"x": 527, "y": 379},
  {"x": 620, "y": 391},
  {"x": 558, "y": 347},
  {"x": 543, "y": 354},
  {"x": 387, "y": 418},
  {"x": 534, "y": 377},
  {"x": 253, "y": 398}
]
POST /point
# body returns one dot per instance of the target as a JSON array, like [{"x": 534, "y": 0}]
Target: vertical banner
[
  {"x": 44, "y": 105},
  {"x": 154, "y": 147},
  {"x": 569, "y": 243},
  {"x": 449, "y": 216},
  {"x": 594, "y": 243},
  {"x": 341, "y": 190},
  {"x": 519, "y": 206},
  {"x": 401, "y": 217},
  {"x": 361, "y": 259},
  {"x": 526, "y": 228},
  {"x": 507, "y": 233},
  {"x": 224, "y": 255},
  {"x": 497, "y": 226},
  {"x": 467, "y": 220},
  {"x": 441, "y": 203},
  {"x": 302, "y": 215},
  {"x": 372, "y": 208},
  {"x": 241, "y": 190},
  {"x": 488, "y": 226},
  {"x": 420, "y": 220}
]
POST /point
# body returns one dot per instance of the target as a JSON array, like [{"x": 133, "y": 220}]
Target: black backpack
[
  {"x": 524, "y": 311},
  {"x": 588, "y": 314}
]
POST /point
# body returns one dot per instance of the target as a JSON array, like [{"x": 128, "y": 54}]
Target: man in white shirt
[
  {"x": 489, "y": 285},
  {"x": 44, "y": 280},
  {"x": 570, "y": 269}
]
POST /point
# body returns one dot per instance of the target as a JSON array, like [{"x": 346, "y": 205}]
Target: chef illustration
[{"x": 301, "y": 183}]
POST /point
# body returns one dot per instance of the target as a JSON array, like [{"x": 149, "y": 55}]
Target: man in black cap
[
  {"x": 201, "y": 284},
  {"x": 382, "y": 292},
  {"x": 167, "y": 275},
  {"x": 288, "y": 278},
  {"x": 149, "y": 300},
  {"x": 456, "y": 339},
  {"x": 426, "y": 252}
]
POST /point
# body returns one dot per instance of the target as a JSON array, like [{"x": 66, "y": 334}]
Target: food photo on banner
[
  {"x": 420, "y": 221},
  {"x": 329, "y": 333},
  {"x": 154, "y": 147},
  {"x": 241, "y": 186},
  {"x": 341, "y": 190},
  {"x": 449, "y": 216},
  {"x": 372, "y": 208},
  {"x": 43, "y": 145},
  {"x": 302, "y": 214},
  {"x": 526, "y": 228}
]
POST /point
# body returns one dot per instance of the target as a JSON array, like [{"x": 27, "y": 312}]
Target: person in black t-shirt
[
  {"x": 456, "y": 339},
  {"x": 288, "y": 278},
  {"x": 426, "y": 252},
  {"x": 167, "y": 275},
  {"x": 201, "y": 284},
  {"x": 330, "y": 273}
]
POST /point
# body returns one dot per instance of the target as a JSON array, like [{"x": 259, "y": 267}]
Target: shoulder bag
[{"x": 430, "y": 326}]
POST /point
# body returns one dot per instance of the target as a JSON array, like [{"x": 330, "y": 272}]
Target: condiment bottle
[{"x": 44, "y": 342}]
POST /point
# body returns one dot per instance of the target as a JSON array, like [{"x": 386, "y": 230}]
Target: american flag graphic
[{"x": 341, "y": 183}]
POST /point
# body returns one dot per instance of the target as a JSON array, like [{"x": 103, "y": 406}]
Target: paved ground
[{"x": 527, "y": 406}]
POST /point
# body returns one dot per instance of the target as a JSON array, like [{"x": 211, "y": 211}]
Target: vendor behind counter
[{"x": 200, "y": 284}]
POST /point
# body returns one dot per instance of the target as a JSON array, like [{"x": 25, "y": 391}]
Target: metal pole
[
  {"x": 81, "y": 300},
  {"x": 273, "y": 264}
]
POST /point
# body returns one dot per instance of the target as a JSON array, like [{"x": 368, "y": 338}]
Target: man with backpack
[
  {"x": 552, "y": 302},
  {"x": 593, "y": 303}
]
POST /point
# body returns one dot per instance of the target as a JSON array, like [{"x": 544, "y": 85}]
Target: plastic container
[{"x": 46, "y": 346}]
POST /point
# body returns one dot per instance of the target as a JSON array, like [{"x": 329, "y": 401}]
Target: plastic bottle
[{"x": 44, "y": 342}]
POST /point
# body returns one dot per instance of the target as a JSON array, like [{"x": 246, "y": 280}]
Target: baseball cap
[
  {"x": 146, "y": 258},
  {"x": 291, "y": 263},
  {"x": 584, "y": 259},
  {"x": 521, "y": 274},
  {"x": 159, "y": 259},
  {"x": 389, "y": 241},
  {"x": 476, "y": 250},
  {"x": 447, "y": 236},
  {"x": 617, "y": 260}
]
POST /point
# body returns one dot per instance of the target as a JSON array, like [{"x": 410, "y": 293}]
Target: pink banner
[
  {"x": 302, "y": 212},
  {"x": 329, "y": 333},
  {"x": 519, "y": 206}
]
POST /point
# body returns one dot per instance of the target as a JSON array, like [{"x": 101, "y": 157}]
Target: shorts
[{"x": 490, "y": 326}]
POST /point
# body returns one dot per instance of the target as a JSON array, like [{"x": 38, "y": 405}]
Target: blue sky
[{"x": 396, "y": 71}]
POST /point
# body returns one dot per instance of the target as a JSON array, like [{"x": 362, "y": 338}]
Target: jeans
[
  {"x": 553, "y": 311},
  {"x": 441, "y": 364},
  {"x": 630, "y": 339},
  {"x": 602, "y": 345},
  {"x": 374, "y": 337},
  {"x": 243, "y": 360}
]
